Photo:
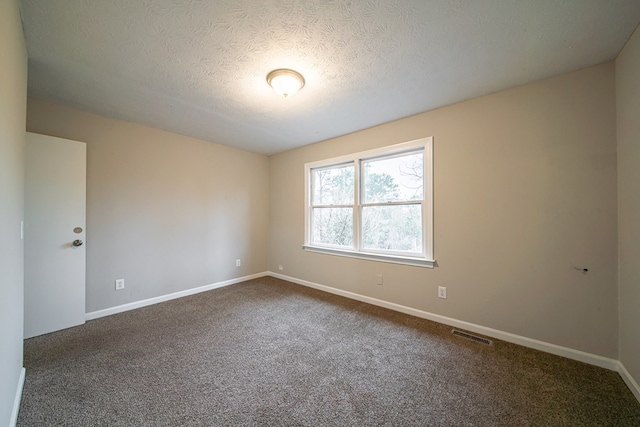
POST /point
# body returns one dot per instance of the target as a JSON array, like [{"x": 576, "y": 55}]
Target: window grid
[{"x": 357, "y": 162}]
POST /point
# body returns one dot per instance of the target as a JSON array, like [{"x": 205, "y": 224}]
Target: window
[{"x": 376, "y": 204}]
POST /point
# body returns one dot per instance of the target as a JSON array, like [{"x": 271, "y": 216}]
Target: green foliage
[
  {"x": 395, "y": 227},
  {"x": 333, "y": 225},
  {"x": 380, "y": 188}
]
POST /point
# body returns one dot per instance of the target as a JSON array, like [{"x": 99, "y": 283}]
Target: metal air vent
[{"x": 471, "y": 337}]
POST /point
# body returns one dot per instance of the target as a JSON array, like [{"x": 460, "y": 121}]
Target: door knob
[{"x": 77, "y": 242}]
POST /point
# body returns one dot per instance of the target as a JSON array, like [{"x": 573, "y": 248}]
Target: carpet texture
[{"x": 271, "y": 353}]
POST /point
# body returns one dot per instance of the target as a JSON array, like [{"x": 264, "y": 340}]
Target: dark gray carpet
[{"x": 268, "y": 352}]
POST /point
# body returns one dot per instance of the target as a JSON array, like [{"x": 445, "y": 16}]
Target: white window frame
[{"x": 426, "y": 258}]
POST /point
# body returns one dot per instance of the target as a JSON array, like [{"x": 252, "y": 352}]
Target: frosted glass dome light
[{"x": 285, "y": 82}]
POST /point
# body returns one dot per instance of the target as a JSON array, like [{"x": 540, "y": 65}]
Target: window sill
[{"x": 415, "y": 262}]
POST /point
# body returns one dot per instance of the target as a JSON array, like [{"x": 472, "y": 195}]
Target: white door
[{"x": 54, "y": 234}]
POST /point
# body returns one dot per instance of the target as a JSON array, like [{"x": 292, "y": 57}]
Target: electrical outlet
[
  {"x": 119, "y": 284},
  {"x": 379, "y": 279},
  {"x": 280, "y": 267},
  {"x": 442, "y": 292},
  {"x": 238, "y": 263}
]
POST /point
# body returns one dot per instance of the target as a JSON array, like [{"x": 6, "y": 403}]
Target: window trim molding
[
  {"x": 426, "y": 260},
  {"x": 404, "y": 260}
]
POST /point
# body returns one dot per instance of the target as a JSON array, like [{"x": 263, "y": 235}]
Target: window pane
[
  {"x": 333, "y": 226},
  {"x": 393, "y": 179},
  {"x": 393, "y": 228},
  {"x": 333, "y": 186}
]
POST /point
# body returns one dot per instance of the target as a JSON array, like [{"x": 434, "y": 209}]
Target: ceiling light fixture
[{"x": 285, "y": 82}]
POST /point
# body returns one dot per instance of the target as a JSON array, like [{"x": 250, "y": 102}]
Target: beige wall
[
  {"x": 628, "y": 127},
  {"x": 165, "y": 212},
  {"x": 525, "y": 189},
  {"x": 13, "y": 95}
]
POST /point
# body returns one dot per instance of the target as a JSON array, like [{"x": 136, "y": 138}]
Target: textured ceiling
[{"x": 198, "y": 67}]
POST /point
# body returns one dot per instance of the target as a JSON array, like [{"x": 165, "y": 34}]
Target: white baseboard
[
  {"x": 143, "y": 303},
  {"x": 569, "y": 353},
  {"x": 16, "y": 401},
  {"x": 628, "y": 379}
]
